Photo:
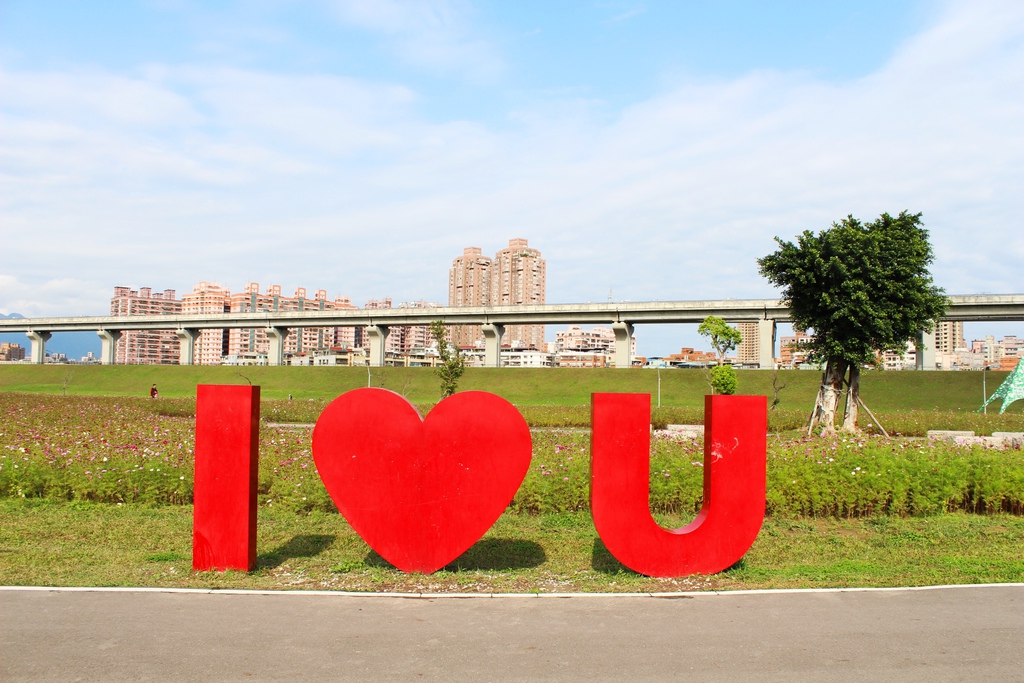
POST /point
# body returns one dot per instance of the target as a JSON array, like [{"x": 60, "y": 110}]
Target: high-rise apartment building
[
  {"x": 253, "y": 340},
  {"x": 748, "y": 350},
  {"x": 469, "y": 280},
  {"x": 145, "y": 347},
  {"x": 208, "y": 297},
  {"x": 469, "y": 284},
  {"x": 516, "y": 276},
  {"x": 757, "y": 344},
  {"x": 949, "y": 336}
]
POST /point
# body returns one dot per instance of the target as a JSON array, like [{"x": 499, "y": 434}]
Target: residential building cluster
[
  {"x": 145, "y": 347},
  {"x": 249, "y": 346},
  {"x": 516, "y": 276},
  {"x": 11, "y": 353},
  {"x": 983, "y": 353},
  {"x": 952, "y": 352}
]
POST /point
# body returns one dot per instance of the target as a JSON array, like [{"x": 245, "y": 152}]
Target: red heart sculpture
[{"x": 421, "y": 491}]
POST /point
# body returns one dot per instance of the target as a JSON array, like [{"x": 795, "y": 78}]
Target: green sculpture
[{"x": 1010, "y": 390}]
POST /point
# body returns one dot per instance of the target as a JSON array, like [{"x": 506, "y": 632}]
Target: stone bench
[
  {"x": 1011, "y": 439},
  {"x": 948, "y": 435},
  {"x": 997, "y": 440},
  {"x": 684, "y": 431}
]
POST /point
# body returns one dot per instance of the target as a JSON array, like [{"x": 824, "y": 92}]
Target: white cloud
[
  {"x": 97, "y": 97},
  {"x": 626, "y": 15},
  {"x": 48, "y": 297},
  {"x": 326, "y": 181},
  {"x": 436, "y": 35}
]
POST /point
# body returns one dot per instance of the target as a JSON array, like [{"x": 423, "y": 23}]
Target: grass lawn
[
  {"x": 882, "y": 391},
  {"x": 45, "y": 543},
  {"x": 108, "y": 447}
]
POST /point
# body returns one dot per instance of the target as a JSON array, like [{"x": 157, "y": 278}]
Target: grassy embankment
[
  {"x": 882, "y": 391},
  {"x": 546, "y": 397},
  {"x": 863, "y": 512}
]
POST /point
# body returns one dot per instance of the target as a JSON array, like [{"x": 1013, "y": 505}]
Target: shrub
[{"x": 723, "y": 379}]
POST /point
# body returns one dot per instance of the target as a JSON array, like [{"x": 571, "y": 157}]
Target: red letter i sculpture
[
  {"x": 227, "y": 456},
  {"x": 735, "y": 448}
]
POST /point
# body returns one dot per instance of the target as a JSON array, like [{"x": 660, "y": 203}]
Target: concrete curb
[{"x": 464, "y": 596}]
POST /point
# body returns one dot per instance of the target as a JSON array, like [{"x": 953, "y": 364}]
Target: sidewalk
[{"x": 937, "y": 634}]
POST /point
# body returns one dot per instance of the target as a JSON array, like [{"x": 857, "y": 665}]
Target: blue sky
[{"x": 649, "y": 150}]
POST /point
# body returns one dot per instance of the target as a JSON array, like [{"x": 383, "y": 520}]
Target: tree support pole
[{"x": 863, "y": 405}]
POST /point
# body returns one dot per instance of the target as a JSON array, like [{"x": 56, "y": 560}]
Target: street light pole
[{"x": 984, "y": 389}]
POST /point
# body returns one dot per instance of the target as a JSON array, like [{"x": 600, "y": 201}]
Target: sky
[{"x": 649, "y": 150}]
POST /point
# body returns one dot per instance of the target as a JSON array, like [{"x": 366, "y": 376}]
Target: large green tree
[{"x": 858, "y": 288}]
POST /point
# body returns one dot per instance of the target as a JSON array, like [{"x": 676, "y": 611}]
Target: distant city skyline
[
  {"x": 79, "y": 344},
  {"x": 235, "y": 346}
]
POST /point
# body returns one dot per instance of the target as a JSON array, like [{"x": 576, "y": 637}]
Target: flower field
[{"x": 138, "y": 451}]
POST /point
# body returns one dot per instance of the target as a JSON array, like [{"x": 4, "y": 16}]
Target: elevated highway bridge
[{"x": 620, "y": 316}]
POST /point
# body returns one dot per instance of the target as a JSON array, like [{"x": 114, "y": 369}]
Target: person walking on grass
[{"x": 153, "y": 393}]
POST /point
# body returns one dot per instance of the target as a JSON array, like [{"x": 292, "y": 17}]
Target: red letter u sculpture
[{"x": 735, "y": 448}]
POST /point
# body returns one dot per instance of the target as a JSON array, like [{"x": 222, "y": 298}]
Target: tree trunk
[
  {"x": 829, "y": 393},
  {"x": 852, "y": 400}
]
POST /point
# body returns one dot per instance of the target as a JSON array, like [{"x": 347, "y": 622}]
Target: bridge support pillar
[
  {"x": 492, "y": 344},
  {"x": 108, "y": 345},
  {"x": 276, "y": 337},
  {"x": 38, "y": 340},
  {"x": 925, "y": 356},
  {"x": 766, "y": 344},
  {"x": 623, "y": 344},
  {"x": 378, "y": 335},
  {"x": 187, "y": 345}
]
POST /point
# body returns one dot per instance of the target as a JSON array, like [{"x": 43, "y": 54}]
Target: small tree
[
  {"x": 860, "y": 288},
  {"x": 777, "y": 388},
  {"x": 453, "y": 364},
  {"x": 723, "y": 380},
  {"x": 724, "y": 339}
]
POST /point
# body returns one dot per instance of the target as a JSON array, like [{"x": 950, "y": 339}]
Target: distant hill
[{"x": 12, "y": 315}]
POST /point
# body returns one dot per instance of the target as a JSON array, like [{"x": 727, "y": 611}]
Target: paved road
[{"x": 943, "y": 634}]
